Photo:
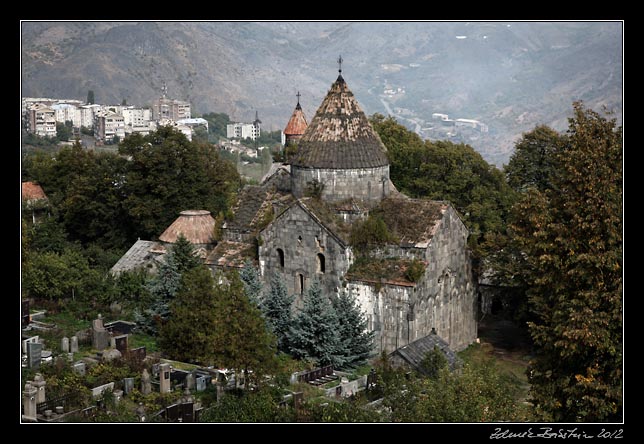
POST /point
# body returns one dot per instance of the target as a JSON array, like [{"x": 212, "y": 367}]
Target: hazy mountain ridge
[{"x": 511, "y": 76}]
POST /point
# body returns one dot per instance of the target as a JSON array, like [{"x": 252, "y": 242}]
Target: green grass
[{"x": 142, "y": 340}]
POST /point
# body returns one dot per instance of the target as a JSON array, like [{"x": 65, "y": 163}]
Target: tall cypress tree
[
  {"x": 276, "y": 307},
  {"x": 355, "y": 338},
  {"x": 314, "y": 333},
  {"x": 571, "y": 237}
]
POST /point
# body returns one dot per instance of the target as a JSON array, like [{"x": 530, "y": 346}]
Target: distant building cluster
[
  {"x": 109, "y": 123},
  {"x": 240, "y": 130},
  {"x": 446, "y": 121}
]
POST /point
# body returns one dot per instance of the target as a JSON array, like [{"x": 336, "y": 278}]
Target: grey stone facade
[
  {"x": 368, "y": 184},
  {"x": 300, "y": 248},
  {"x": 445, "y": 298}
]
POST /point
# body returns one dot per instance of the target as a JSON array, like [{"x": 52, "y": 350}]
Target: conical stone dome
[{"x": 340, "y": 135}]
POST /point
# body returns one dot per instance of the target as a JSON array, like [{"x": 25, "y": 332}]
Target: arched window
[
  {"x": 321, "y": 264},
  {"x": 300, "y": 281},
  {"x": 280, "y": 256}
]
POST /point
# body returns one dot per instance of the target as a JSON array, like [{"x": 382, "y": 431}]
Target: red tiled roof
[
  {"x": 32, "y": 191},
  {"x": 297, "y": 124}
]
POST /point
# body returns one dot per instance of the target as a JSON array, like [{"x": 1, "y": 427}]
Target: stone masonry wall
[
  {"x": 301, "y": 240},
  {"x": 370, "y": 184},
  {"x": 445, "y": 297}
]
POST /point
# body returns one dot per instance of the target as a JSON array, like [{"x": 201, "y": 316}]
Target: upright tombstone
[
  {"x": 100, "y": 336},
  {"x": 118, "y": 395},
  {"x": 73, "y": 344},
  {"x": 29, "y": 401},
  {"x": 128, "y": 385},
  {"x": 34, "y": 354},
  {"x": 39, "y": 384},
  {"x": 200, "y": 383},
  {"x": 146, "y": 385},
  {"x": 121, "y": 343},
  {"x": 190, "y": 381},
  {"x": 79, "y": 367},
  {"x": 164, "y": 378},
  {"x": 27, "y": 341},
  {"x": 64, "y": 344}
]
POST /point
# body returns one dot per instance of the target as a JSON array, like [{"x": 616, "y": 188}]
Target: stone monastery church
[{"x": 298, "y": 223}]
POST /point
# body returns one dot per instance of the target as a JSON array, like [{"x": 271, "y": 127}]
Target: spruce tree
[
  {"x": 252, "y": 282},
  {"x": 183, "y": 255},
  {"x": 276, "y": 307},
  {"x": 356, "y": 341},
  {"x": 571, "y": 239},
  {"x": 314, "y": 333}
]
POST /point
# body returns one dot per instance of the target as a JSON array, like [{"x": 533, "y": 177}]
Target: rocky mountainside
[{"x": 510, "y": 76}]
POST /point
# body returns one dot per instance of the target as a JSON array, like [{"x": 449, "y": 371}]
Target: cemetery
[{"x": 97, "y": 375}]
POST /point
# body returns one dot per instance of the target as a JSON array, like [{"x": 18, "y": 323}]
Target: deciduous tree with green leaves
[{"x": 571, "y": 238}]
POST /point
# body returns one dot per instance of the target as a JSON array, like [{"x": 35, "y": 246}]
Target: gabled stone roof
[
  {"x": 414, "y": 352},
  {"x": 196, "y": 225},
  {"x": 139, "y": 255},
  {"x": 297, "y": 124},
  {"x": 340, "y": 135}
]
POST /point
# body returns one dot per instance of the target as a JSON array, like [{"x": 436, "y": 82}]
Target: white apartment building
[
  {"x": 67, "y": 112},
  {"x": 136, "y": 117},
  {"x": 243, "y": 130},
  {"x": 42, "y": 120},
  {"x": 88, "y": 113}
]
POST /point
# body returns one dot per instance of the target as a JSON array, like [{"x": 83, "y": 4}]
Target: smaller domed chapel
[{"x": 332, "y": 214}]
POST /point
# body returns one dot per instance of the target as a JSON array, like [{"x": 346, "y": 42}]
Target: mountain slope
[{"x": 511, "y": 76}]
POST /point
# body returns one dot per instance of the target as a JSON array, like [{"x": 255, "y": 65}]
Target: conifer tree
[
  {"x": 252, "y": 282},
  {"x": 240, "y": 339},
  {"x": 276, "y": 307},
  {"x": 186, "y": 335},
  {"x": 314, "y": 334},
  {"x": 356, "y": 341}
]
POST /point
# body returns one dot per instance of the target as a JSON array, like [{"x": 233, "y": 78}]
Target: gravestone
[
  {"x": 39, "y": 384},
  {"x": 34, "y": 354},
  {"x": 79, "y": 368},
  {"x": 118, "y": 395},
  {"x": 121, "y": 343},
  {"x": 200, "y": 383},
  {"x": 155, "y": 369},
  {"x": 73, "y": 344},
  {"x": 128, "y": 385},
  {"x": 100, "y": 336},
  {"x": 298, "y": 399},
  {"x": 27, "y": 341},
  {"x": 190, "y": 381},
  {"x": 146, "y": 386},
  {"x": 164, "y": 378},
  {"x": 59, "y": 409},
  {"x": 98, "y": 391},
  {"x": 29, "y": 400},
  {"x": 64, "y": 344}
]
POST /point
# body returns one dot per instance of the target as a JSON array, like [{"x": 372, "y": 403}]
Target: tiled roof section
[
  {"x": 32, "y": 191},
  {"x": 139, "y": 255},
  {"x": 297, "y": 124},
  {"x": 413, "y": 221},
  {"x": 414, "y": 352},
  {"x": 196, "y": 225},
  {"x": 340, "y": 136},
  {"x": 229, "y": 254},
  {"x": 250, "y": 201}
]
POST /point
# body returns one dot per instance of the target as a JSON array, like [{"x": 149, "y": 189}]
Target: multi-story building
[
  {"x": 87, "y": 114},
  {"x": 42, "y": 120},
  {"x": 67, "y": 112},
  {"x": 241, "y": 130},
  {"x": 164, "y": 108},
  {"x": 107, "y": 125}
]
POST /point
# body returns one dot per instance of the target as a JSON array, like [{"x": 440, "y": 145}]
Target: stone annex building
[{"x": 298, "y": 223}]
